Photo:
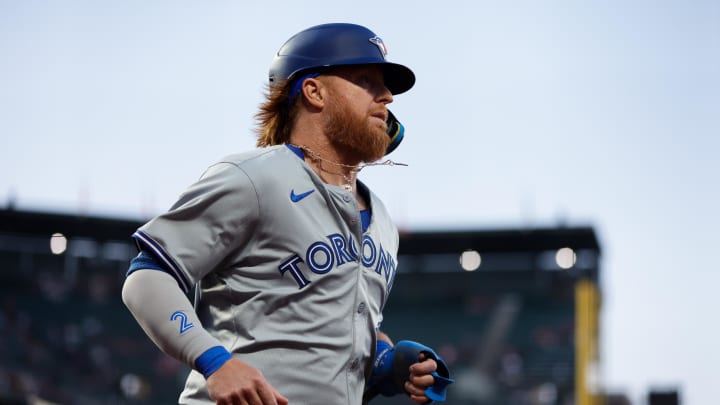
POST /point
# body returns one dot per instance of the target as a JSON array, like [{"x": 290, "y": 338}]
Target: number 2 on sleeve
[{"x": 184, "y": 324}]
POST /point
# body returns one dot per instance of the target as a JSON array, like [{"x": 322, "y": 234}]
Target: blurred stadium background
[{"x": 514, "y": 312}]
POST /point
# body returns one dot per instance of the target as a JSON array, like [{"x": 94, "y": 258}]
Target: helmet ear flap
[
  {"x": 396, "y": 132},
  {"x": 296, "y": 85}
]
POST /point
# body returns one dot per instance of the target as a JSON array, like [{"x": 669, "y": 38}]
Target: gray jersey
[{"x": 288, "y": 281}]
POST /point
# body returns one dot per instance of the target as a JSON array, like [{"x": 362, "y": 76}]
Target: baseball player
[{"x": 290, "y": 256}]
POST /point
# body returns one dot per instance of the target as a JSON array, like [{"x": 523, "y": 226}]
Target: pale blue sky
[{"x": 525, "y": 113}]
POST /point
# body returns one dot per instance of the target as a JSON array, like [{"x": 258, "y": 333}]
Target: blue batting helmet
[{"x": 337, "y": 44}]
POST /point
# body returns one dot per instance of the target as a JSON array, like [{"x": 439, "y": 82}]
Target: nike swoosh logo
[{"x": 297, "y": 197}]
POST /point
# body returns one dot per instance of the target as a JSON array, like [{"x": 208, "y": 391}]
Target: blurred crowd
[{"x": 66, "y": 338}]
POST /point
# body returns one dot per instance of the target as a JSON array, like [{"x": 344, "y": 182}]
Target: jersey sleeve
[{"x": 213, "y": 218}]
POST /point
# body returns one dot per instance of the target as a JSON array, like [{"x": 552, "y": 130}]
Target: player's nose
[{"x": 384, "y": 95}]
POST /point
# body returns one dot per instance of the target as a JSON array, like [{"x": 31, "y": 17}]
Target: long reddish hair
[{"x": 275, "y": 118}]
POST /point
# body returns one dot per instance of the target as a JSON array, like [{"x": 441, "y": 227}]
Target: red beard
[{"x": 355, "y": 135}]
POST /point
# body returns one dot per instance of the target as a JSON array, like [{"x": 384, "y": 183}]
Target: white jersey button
[
  {"x": 347, "y": 198},
  {"x": 354, "y": 363},
  {"x": 361, "y": 308}
]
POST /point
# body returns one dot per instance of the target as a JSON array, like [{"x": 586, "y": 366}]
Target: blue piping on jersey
[{"x": 145, "y": 242}]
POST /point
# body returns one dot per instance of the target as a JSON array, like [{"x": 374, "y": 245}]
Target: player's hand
[
  {"x": 238, "y": 383},
  {"x": 420, "y": 379}
]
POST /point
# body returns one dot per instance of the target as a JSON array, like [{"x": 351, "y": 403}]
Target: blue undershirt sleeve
[{"x": 145, "y": 260}]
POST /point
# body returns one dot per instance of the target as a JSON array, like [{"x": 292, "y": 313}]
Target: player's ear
[{"x": 313, "y": 90}]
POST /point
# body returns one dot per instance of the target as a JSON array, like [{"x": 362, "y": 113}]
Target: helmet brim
[{"x": 398, "y": 78}]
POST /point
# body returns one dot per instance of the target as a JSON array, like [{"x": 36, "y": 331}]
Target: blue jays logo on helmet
[{"x": 380, "y": 44}]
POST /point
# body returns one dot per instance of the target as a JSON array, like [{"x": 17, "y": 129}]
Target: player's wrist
[{"x": 211, "y": 360}]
